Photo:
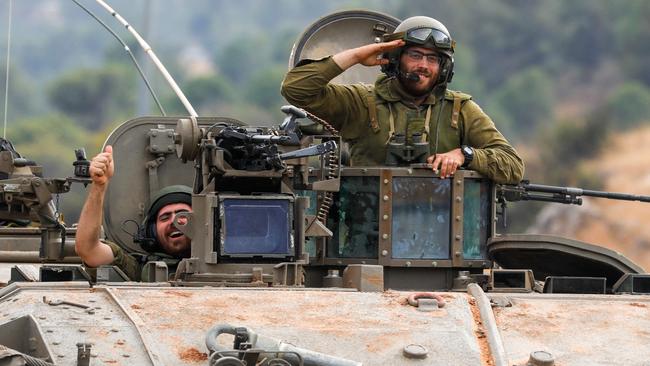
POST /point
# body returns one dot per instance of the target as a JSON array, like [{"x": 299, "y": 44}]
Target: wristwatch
[{"x": 468, "y": 153}]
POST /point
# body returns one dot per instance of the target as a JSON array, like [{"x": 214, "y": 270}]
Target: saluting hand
[
  {"x": 367, "y": 55},
  {"x": 101, "y": 167}
]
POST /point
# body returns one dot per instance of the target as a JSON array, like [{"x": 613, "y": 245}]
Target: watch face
[{"x": 468, "y": 150}]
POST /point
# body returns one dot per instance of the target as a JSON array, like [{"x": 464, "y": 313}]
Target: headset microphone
[{"x": 411, "y": 76}]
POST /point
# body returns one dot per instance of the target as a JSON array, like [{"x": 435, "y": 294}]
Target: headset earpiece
[
  {"x": 446, "y": 70},
  {"x": 146, "y": 236}
]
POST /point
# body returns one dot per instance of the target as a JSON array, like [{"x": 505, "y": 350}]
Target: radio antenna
[
  {"x": 145, "y": 46},
  {"x": 128, "y": 51},
  {"x": 4, "y": 131}
]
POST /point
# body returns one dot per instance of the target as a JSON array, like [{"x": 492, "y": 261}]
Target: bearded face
[
  {"x": 423, "y": 62},
  {"x": 172, "y": 240}
]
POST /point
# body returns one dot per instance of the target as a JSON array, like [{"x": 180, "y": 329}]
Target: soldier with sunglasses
[{"x": 409, "y": 103}]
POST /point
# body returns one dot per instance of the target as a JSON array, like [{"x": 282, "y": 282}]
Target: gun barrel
[
  {"x": 553, "y": 189},
  {"x": 282, "y": 140},
  {"x": 571, "y": 191},
  {"x": 319, "y": 149},
  {"x": 617, "y": 196}
]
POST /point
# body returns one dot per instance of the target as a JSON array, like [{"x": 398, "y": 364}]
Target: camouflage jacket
[
  {"x": 367, "y": 116},
  {"x": 132, "y": 265}
]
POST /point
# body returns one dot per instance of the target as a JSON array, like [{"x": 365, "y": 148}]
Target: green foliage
[
  {"x": 588, "y": 36},
  {"x": 466, "y": 76},
  {"x": 93, "y": 96},
  {"x": 263, "y": 88},
  {"x": 21, "y": 92},
  {"x": 282, "y": 43},
  {"x": 632, "y": 33},
  {"x": 527, "y": 100},
  {"x": 207, "y": 90},
  {"x": 629, "y": 104},
  {"x": 565, "y": 143},
  {"x": 49, "y": 140},
  {"x": 512, "y": 36},
  {"x": 241, "y": 57}
]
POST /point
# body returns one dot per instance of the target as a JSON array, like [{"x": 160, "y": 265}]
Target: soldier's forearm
[
  {"x": 306, "y": 85},
  {"x": 346, "y": 59},
  {"x": 501, "y": 164},
  {"x": 87, "y": 241}
]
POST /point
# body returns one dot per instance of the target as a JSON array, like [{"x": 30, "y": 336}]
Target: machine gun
[
  {"x": 230, "y": 151},
  {"x": 26, "y": 199},
  {"x": 254, "y": 150},
  {"x": 526, "y": 191}
]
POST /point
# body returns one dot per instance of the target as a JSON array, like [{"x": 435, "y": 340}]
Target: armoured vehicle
[{"x": 297, "y": 259}]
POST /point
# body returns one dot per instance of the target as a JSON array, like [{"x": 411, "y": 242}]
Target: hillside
[{"x": 623, "y": 226}]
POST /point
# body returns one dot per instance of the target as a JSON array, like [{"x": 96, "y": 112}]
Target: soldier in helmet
[
  {"x": 410, "y": 99},
  {"x": 158, "y": 235}
]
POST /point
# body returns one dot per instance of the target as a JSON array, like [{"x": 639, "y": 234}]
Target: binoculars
[{"x": 399, "y": 152}]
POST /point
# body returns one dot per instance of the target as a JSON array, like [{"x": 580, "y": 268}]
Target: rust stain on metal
[
  {"x": 375, "y": 280},
  {"x": 192, "y": 355},
  {"x": 643, "y": 333},
  {"x": 383, "y": 341},
  {"x": 551, "y": 322},
  {"x": 394, "y": 298},
  {"x": 308, "y": 309},
  {"x": 180, "y": 293},
  {"x": 479, "y": 331}
]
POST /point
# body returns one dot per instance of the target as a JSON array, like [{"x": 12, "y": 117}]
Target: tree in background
[
  {"x": 93, "y": 96},
  {"x": 527, "y": 101},
  {"x": 205, "y": 93},
  {"x": 22, "y": 97},
  {"x": 263, "y": 87},
  {"x": 629, "y": 105},
  {"x": 241, "y": 58},
  {"x": 632, "y": 33}
]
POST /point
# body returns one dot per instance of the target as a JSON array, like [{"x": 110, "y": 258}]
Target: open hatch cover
[
  {"x": 340, "y": 31},
  {"x": 548, "y": 255}
]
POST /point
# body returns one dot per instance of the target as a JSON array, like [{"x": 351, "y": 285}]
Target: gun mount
[
  {"x": 245, "y": 200},
  {"x": 27, "y": 209}
]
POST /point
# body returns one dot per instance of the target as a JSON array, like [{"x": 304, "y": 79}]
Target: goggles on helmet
[{"x": 422, "y": 36}]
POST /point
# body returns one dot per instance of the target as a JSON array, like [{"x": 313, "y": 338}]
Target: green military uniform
[
  {"x": 368, "y": 115},
  {"x": 132, "y": 266}
]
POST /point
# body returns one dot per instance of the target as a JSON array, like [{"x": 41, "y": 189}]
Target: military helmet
[
  {"x": 146, "y": 236},
  {"x": 423, "y": 32}
]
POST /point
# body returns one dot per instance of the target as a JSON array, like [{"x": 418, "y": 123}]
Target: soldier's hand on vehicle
[
  {"x": 101, "y": 167},
  {"x": 367, "y": 55},
  {"x": 446, "y": 163}
]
